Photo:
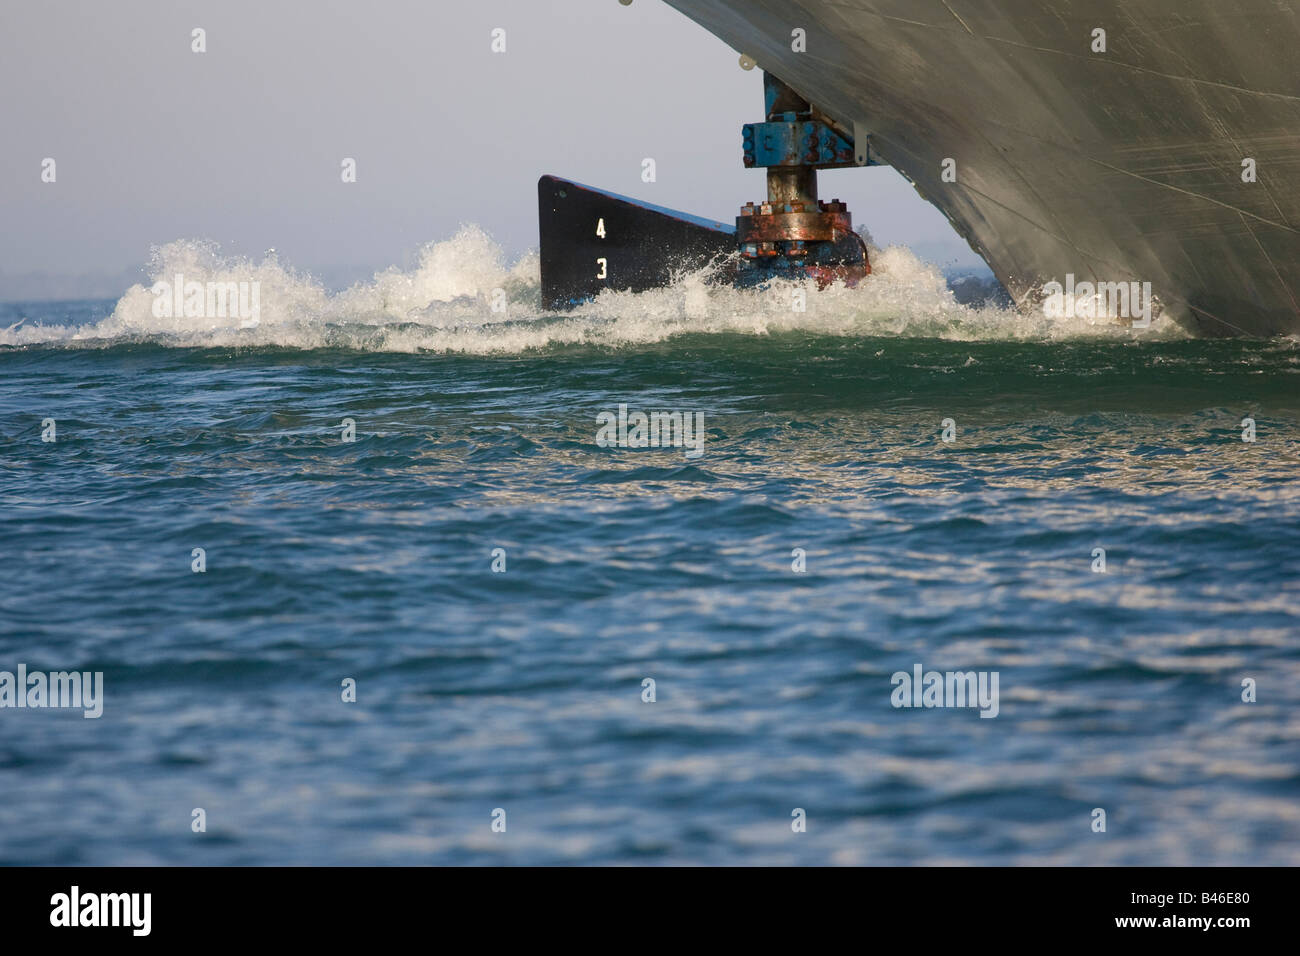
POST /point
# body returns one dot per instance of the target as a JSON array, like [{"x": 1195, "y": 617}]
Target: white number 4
[{"x": 600, "y": 228}]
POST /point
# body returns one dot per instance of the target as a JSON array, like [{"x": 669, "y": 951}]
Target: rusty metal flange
[{"x": 786, "y": 222}]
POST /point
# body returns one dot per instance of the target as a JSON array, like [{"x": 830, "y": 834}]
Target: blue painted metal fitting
[{"x": 806, "y": 143}]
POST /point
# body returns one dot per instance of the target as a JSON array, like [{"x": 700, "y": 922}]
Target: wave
[{"x": 464, "y": 297}]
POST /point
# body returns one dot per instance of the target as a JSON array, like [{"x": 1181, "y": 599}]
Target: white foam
[{"x": 444, "y": 304}]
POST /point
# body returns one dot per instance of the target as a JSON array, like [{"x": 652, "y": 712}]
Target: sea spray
[{"x": 462, "y": 296}]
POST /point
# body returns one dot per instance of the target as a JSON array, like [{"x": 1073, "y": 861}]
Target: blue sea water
[{"x": 522, "y": 690}]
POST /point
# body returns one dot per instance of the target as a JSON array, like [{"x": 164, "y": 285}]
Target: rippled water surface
[{"x": 522, "y": 690}]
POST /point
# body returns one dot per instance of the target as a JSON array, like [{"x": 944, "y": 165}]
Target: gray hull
[{"x": 1116, "y": 166}]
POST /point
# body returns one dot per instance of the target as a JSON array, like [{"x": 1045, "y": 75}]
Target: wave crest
[{"x": 446, "y": 304}]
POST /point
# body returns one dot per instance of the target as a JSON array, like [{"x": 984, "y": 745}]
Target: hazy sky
[{"x": 243, "y": 144}]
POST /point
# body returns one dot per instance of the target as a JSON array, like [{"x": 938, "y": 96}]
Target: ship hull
[{"x": 1122, "y": 166}]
